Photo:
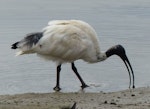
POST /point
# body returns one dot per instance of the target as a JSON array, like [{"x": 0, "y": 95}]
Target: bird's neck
[
  {"x": 95, "y": 58},
  {"x": 101, "y": 57}
]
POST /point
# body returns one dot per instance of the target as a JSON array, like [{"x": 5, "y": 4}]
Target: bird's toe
[
  {"x": 84, "y": 86},
  {"x": 57, "y": 88}
]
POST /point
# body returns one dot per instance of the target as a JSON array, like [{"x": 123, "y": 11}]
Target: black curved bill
[{"x": 129, "y": 68}]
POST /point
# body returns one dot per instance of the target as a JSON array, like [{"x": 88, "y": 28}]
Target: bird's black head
[{"x": 120, "y": 51}]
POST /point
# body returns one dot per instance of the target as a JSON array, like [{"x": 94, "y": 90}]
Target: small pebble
[
  {"x": 92, "y": 99},
  {"x": 113, "y": 103},
  {"x": 105, "y": 102},
  {"x": 118, "y": 97}
]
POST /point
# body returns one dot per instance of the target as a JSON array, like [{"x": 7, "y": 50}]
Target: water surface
[{"x": 116, "y": 22}]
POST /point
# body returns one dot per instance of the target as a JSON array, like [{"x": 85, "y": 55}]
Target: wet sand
[{"x": 138, "y": 98}]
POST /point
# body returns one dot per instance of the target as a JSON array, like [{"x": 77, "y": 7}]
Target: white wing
[{"x": 68, "y": 41}]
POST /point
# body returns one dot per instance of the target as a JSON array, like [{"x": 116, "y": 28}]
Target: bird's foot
[
  {"x": 84, "y": 86},
  {"x": 57, "y": 88}
]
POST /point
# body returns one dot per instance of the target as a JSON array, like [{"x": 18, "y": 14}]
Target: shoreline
[{"x": 138, "y": 98}]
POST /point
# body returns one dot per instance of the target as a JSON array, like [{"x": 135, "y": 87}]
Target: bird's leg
[
  {"x": 57, "y": 88},
  {"x": 79, "y": 77}
]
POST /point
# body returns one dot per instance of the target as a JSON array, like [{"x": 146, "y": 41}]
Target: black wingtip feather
[{"x": 14, "y": 46}]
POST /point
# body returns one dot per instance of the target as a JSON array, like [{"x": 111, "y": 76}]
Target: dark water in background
[{"x": 116, "y": 21}]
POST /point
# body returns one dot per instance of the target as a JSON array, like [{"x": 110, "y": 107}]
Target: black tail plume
[{"x": 30, "y": 40}]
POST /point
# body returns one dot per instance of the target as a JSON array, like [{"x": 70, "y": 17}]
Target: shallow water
[{"x": 116, "y": 21}]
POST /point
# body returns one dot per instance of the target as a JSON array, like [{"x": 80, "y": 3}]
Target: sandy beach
[{"x": 138, "y": 98}]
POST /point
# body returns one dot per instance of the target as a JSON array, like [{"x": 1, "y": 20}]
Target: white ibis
[{"x": 65, "y": 41}]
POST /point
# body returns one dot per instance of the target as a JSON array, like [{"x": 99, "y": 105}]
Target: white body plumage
[{"x": 67, "y": 41}]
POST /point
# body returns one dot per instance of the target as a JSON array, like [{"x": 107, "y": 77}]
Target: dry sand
[{"x": 138, "y": 98}]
